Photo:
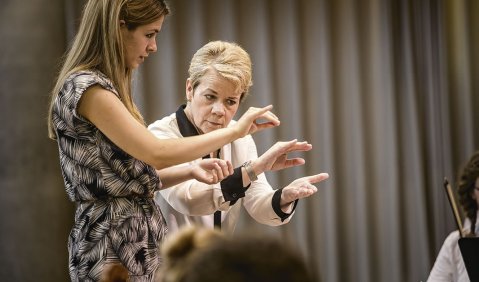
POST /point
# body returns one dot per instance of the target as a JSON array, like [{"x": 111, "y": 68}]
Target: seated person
[
  {"x": 219, "y": 80},
  {"x": 200, "y": 254},
  {"x": 449, "y": 265}
]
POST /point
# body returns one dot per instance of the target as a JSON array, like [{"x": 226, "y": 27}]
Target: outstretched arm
[
  {"x": 276, "y": 158},
  {"x": 103, "y": 108},
  {"x": 300, "y": 188},
  {"x": 209, "y": 171}
]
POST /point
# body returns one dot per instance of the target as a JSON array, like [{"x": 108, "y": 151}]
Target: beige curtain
[{"x": 385, "y": 90}]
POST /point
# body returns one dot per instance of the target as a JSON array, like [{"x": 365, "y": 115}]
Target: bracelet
[{"x": 249, "y": 170}]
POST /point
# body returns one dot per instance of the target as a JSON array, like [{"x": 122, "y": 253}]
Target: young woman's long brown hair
[{"x": 101, "y": 48}]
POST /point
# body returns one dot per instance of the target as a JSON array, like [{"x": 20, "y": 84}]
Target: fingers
[
  {"x": 301, "y": 146},
  {"x": 230, "y": 167},
  {"x": 257, "y": 127},
  {"x": 294, "y": 162},
  {"x": 272, "y": 118},
  {"x": 294, "y": 145},
  {"x": 276, "y": 158},
  {"x": 218, "y": 169},
  {"x": 213, "y": 176},
  {"x": 265, "y": 112},
  {"x": 262, "y": 113},
  {"x": 225, "y": 168},
  {"x": 302, "y": 187},
  {"x": 316, "y": 178},
  {"x": 298, "y": 189},
  {"x": 214, "y": 170},
  {"x": 290, "y": 146}
]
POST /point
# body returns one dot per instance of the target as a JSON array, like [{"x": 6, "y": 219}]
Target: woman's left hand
[{"x": 301, "y": 188}]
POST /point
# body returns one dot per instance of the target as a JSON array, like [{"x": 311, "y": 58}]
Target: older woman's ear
[{"x": 189, "y": 90}]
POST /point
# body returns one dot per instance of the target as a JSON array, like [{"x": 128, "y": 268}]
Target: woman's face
[
  {"x": 140, "y": 42},
  {"x": 213, "y": 103}
]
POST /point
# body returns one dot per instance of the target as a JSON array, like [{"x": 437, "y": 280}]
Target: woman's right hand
[
  {"x": 249, "y": 124},
  {"x": 276, "y": 158},
  {"x": 211, "y": 171}
]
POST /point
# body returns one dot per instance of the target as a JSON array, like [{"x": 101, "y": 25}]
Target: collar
[{"x": 185, "y": 126}]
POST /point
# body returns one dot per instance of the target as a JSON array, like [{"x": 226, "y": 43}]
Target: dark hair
[
  {"x": 251, "y": 258},
  {"x": 115, "y": 273},
  {"x": 466, "y": 186}
]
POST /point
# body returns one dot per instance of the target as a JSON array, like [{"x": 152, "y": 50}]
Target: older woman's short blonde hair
[{"x": 228, "y": 59}]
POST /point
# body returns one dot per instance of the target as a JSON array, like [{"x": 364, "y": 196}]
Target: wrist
[
  {"x": 284, "y": 204},
  {"x": 250, "y": 171},
  {"x": 256, "y": 167},
  {"x": 234, "y": 133},
  {"x": 191, "y": 171}
]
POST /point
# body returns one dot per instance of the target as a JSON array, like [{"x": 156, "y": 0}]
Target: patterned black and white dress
[{"x": 116, "y": 219}]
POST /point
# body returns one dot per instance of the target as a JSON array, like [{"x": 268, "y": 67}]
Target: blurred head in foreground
[{"x": 200, "y": 254}]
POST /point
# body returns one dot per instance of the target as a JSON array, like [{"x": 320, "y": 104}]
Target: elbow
[
  {"x": 274, "y": 222},
  {"x": 156, "y": 162},
  {"x": 160, "y": 164}
]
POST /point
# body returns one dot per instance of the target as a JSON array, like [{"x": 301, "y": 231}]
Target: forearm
[
  {"x": 262, "y": 203},
  {"x": 109, "y": 115},
  {"x": 174, "y": 175},
  {"x": 175, "y": 151},
  {"x": 194, "y": 198}
]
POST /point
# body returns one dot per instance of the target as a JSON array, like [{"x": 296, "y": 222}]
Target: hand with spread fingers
[
  {"x": 249, "y": 124},
  {"x": 301, "y": 188},
  {"x": 276, "y": 158}
]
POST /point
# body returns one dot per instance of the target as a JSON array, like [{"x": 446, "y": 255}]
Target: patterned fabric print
[{"x": 116, "y": 218}]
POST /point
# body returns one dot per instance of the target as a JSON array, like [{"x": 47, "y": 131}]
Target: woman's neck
[{"x": 190, "y": 118}]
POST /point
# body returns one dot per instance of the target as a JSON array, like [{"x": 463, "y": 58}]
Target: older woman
[{"x": 219, "y": 80}]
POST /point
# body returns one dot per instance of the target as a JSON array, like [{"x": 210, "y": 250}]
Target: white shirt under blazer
[{"x": 259, "y": 199}]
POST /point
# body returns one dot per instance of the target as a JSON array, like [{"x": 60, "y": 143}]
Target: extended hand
[
  {"x": 301, "y": 188},
  {"x": 211, "y": 171},
  {"x": 249, "y": 124},
  {"x": 276, "y": 158}
]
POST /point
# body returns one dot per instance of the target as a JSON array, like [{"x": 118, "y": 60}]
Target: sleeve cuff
[
  {"x": 276, "y": 203},
  {"x": 232, "y": 187}
]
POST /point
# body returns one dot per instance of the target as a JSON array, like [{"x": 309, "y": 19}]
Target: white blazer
[{"x": 194, "y": 202}]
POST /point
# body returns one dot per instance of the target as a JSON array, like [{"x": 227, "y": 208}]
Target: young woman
[{"x": 109, "y": 160}]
